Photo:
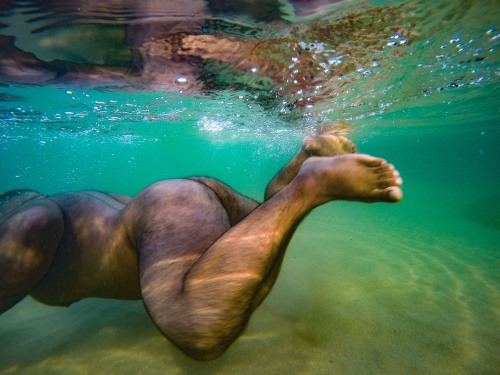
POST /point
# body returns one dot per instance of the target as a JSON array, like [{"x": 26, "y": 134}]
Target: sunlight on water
[{"x": 411, "y": 288}]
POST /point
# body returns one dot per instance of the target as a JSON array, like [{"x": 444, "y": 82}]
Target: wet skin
[{"x": 200, "y": 255}]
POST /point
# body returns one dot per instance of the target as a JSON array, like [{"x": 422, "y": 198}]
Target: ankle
[{"x": 306, "y": 183}]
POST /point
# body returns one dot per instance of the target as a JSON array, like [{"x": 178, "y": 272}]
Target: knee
[
  {"x": 204, "y": 348},
  {"x": 203, "y": 342}
]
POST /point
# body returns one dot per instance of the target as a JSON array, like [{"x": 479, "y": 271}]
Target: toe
[
  {"x": 388, "y": 182},
  {"x": 385, "y": 168},
  {"x": 371, "y": 161},
  {"x": 392, "y": 194},
  {"x": 382, "y": 184},
  {"x": 388, "y": 175}
]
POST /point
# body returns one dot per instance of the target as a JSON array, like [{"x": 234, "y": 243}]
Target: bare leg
[
  {"x": 29, "y": 236},
  {"x": 327, "y": 144},
  {"x": 202, "y": 299}
]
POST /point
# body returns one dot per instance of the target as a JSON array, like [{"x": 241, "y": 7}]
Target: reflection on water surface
[{"x": 345, "y": 56}]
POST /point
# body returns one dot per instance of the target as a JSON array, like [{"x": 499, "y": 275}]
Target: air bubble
[{"x": 334, "y": 61}]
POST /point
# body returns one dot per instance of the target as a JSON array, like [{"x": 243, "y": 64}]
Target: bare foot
[
  {"x": 351, "y": 177},
  {"x": 327, "y": 144}
]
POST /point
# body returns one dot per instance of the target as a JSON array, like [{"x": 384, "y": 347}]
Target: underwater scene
[{"x": 117, "y": 95}]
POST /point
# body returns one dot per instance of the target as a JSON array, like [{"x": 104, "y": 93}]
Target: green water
[{"x": 412, "y": 288}]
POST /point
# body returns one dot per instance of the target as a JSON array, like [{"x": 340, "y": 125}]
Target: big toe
[{"x": 391, "y": 194}]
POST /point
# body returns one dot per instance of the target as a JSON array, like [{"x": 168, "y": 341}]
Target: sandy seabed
[{"x": 361, "y": 292}]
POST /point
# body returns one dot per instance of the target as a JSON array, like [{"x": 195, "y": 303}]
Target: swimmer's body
[{"x": 200, "y": 255}]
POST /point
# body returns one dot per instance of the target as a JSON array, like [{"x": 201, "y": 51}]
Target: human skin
[{"x": 200, "y": 255}]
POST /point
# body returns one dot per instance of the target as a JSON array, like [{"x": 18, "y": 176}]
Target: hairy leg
[
  {"x": 29, "y": 237},
  {"x": 327, "y": 144},
  {"x": 201, "y": 282}
]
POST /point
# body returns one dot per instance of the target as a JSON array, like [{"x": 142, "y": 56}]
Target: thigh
[
  {"x": 172, "y": 224},
  {"x": 236, "y": 205}
]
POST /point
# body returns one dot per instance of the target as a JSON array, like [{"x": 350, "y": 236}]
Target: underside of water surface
[{"x": 117, "y": 95}]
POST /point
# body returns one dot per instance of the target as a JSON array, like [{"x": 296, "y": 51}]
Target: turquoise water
[{"x": 412, "y": 288}]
